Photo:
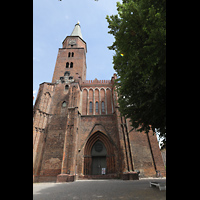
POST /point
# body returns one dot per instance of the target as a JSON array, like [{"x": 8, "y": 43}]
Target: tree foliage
[{"x": 139, "y": 30}]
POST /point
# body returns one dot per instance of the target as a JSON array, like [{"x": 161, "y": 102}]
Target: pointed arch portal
[{"x": 98, "y": 154}]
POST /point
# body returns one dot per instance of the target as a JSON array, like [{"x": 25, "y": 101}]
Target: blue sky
[{"x": 53, "y": 20}]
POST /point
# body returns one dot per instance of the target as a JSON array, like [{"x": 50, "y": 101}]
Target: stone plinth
[
  {"x": 65, "y": 178},
  {"x": 129, "y": 176}
]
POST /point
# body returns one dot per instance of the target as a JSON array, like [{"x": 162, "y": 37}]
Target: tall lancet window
[
  {"x": 102, "y": 106},
  {"x": 90, "y": 107},
  {"x": 97, "y": 107}
]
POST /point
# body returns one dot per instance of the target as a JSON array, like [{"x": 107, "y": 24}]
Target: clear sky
[{"x": 53, "y": 20}]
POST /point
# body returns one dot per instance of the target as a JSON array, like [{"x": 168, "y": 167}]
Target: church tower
[{"x": 71, "y": 59}]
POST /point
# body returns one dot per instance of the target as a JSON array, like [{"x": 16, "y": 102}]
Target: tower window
[
  {"x": 66, "y": 87},
  {"x": 72, "y": 54},
  {"x": 67, "y": 73},
  {"x": 97, "y": 107},
  {"x": 102, "y": 106},
  {"x": 67, "y": 65},
  {"x": 62, "y": 79},
  {"x": 90, "y": 107},
  {"x": 69, "y": 54},
  {"x": 71, "y": 65}
]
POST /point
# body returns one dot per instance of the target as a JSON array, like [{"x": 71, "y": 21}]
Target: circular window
[{"x": 98, "y": 147}]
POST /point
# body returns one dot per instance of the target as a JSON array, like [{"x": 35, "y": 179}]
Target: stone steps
[{"x": 106, "y": 176}]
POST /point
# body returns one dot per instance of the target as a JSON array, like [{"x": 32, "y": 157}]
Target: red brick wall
[
  {"x": 146, "y": 157},
  {"x": 78, "y": 60},
  {"x": 88, "y": 126},
  {"x": 41, "y": 116},
  {"x": 60, "y": 148},
  {"x": 98, "y": 94}
]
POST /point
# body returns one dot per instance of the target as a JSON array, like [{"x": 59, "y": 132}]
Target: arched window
[
  {"x": 102, "y": 106},
  {"x": 66, "y": 87},
  {"x": 90, "y": 108},
  {"x": 97, "y": 107},
  {"x": 72, "y": 54},
  {"x": 67, "y": 65},
  {"x": 71, "y": 65},
  {"x": 64, "y": 104},
  {"x": 69, "y": 54},
  {"x": 62, "y": 79},
  {"x": 67, "y": 73}
]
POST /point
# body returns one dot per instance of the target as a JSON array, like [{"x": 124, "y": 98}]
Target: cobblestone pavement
[{"x": 99, "y": 190}]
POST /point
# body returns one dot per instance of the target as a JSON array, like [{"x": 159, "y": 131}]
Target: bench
[{"x": 161, "y": 186}]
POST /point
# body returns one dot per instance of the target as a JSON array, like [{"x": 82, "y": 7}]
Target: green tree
[{"x": 139, "y": 30}]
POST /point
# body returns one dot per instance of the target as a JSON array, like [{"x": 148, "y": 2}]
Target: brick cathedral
[{"x": 78, "y": 131}]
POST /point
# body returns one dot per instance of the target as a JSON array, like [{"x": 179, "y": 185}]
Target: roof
[{"x": 77, "y": 31}]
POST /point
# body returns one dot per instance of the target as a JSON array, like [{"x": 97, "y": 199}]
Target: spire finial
[{"x": 77, "y": 30}]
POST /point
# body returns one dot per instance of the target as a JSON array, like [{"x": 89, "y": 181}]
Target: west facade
[{"x": 78, "y": 131}]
